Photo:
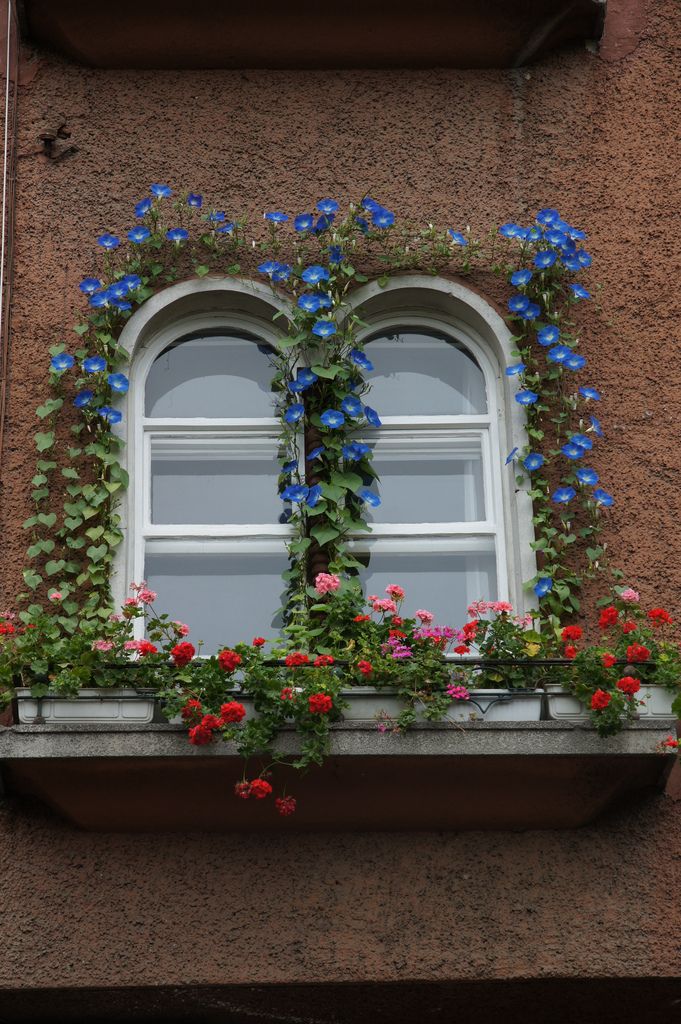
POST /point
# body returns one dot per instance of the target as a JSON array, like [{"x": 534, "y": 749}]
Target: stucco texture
[{"x": 597, "y": 138}]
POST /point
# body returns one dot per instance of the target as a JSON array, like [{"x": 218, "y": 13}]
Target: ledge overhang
[
  {"x": 267, "y": 34},
  {"x": 504, "y": 775}
]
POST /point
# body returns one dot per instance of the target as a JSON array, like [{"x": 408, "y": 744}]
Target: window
[{"x": 205, "y": 523}]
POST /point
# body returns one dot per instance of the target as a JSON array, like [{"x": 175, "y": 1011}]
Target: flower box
[
  {"x": 656, "y": 702},
  {"x": 91, "y": 705},
  {"x": 368, "y": 703}
]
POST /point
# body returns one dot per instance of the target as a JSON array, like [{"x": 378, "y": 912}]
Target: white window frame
[{"x": 410, "y": 300}]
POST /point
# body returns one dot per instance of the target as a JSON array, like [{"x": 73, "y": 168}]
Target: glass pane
[
  {"x": 423, "y": 373},
  {"x": 221, "y": 376},
  {"x": 224, "y": 598},
  {"x": 215, "y": 481},
  {"x": 428, "y": 483},
  {"x": 443, "y": 582}
]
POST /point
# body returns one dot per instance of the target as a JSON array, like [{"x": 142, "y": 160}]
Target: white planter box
[
  {"x": 654, "y": 702},
  {"x": 368, "y": 704},
  {"x": 91, "y": 705}
]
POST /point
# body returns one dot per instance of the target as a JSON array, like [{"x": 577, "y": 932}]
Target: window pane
[
  {"x": 422, "y": 372},
  {"x": 423, "y": 482},
  {"x": 224, "y": 598},
  {"x": 214, "y": 481},
  {"x": 443, "y": 582},
  {"x": 221, "y": 376}
]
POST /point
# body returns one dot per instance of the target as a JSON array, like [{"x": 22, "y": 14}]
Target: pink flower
[
  {"x": 629, "y": 595},
  {"x": 326, "y": 582},
  {"x": 182, "y": 629},
  {"x": 478, "y": 608},
  {"x": 524, "y": 621},
  {"x": 131, "y": 645},
  {"x": 115, "y": 618},
  {"x": 102, "y": 645},
  {"x": 392, "y": 590},
  {"x": 501, "y": 606},
  {"x": 384, "y": 604},
  {"x": 382, "y": 726},
  {"x": 425, "y": 617},
  {"x": 457, "y": 692},
  {"x": 55, "y": 596},
  {"x": 129, "y": 601},
  {"x": 147, "y": 596}
]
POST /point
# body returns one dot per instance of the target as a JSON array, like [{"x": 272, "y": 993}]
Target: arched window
[{"x": 204, "y": 519}]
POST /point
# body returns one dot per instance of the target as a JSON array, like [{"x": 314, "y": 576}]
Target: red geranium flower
[
  {"x": 285, "y": 805},
  {"x": 572, "y": 633},
  {"x": 670, "y": 742},
  {"x": 146, "y": 647},
  {"x": 320, "y": 703},
  {"x": 628, "y": 626},
  {"x": 462, "y": 649},
  {"x": 658, "y": 616},
  {"x": 570, "y": 651},
  {"x": 600, "y": 700},
  {"x": 323, "y": 661},
  {"x": 182, "y": 653},
  {"x": 608, "y": 617},
  {"x": 199, "y": 735},
  {"x": 287, "y": 693},
  {"x": 192, "y": 710},
  {"x": 629, "y": 685},
  {"x": 608, "y": 660},
  {"x": 260, "y": 788},
  {"x": 232, "y": 711},
  {"x": 396, "y": 620},
  {"x": 361, "y": 618},
  {"x": 258, "y": 641},
  {"x": 228, "y": 660},
  {"x": 297, "y": 658},
  {"x": 637, "y": 652},
  {"x": 243, "y": 790},
  {"x": 365, "y": 667},
  {"x": 470, "y": 630},
  {"x": 398, "y": 633},
  {"x": 6, "y": 627}
]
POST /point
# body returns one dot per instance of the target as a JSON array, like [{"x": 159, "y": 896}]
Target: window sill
[{"x": 472, "y": 775}]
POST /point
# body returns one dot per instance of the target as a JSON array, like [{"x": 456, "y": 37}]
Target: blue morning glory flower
[
  {"x": 324, "y": 222},
  {"x": 327, "y": 206},
  {"x": 372, "y": 416},
  {"x": 355, "y": 451},
  {"x": 281, "y": 272},
  {"x": 313, "y": 275},
  {"x": 62, "y": 362},
  {"x": 533, "y": 461},
  {"x": 559, "y": 353},
  {"x": 177, "y": 235},
  {"x": 583, "y": 441},
  {"x": 577, "y": 235},
  {"x": 324, "y": 328},
  {"x": 276, "y": 217},
  {"x": 584, "y": 258},
  {"x": 526, "y": 397},
  {"x": 217, "y": 216},
  {"x": 596, "y": 427},
  {"x": 94, "y": 364},
  {"x": 99, "y": 299},
  {"x": 520, "y": 278},
  {"x": 142, "y": 207},
  {"x": 335, "y": 255},
  {"x": 225, "y": 229},
  {"x": 371, "y": 205},
  {"x": 332, "y": 418},
  {"x": 325, "y": 300},
  {"x": 511, "y": 371},
  {"x": 572, "y": 451},
  {"x": 268, "y": 267},
  {"x": 304, "y": 222},
  {"x": 556, "y": 237},
  {"x": 364, "y": 494},
  {"x": 509, "y": 230},
  {"x": 579, "y": 292},
  {"x": 511, "y": 455},
  {"x": 161, "y": 191},
  {"x": 543, "y": 585},
  {"x": 531, "y": 313},
  {"x": 294, "y": 413},
  {"x": 563, "y": 495},
  {"x": 533, "y": 234},
  {"x": 117, "y": 290},
  {"x": 108, "y": 241},
  {"x": 315, "y": 453},
  {"x": 575, "y": 361},
  {"x": 544, "y": 259},
  {"x": 547, "y": 216},
  {"x": 457, "y": 237},
  {"x": 132, "y": 282},
  {"x": 359, "y": 359},
  {"x": 121, "y": 304},
  {"x": 590, "y": 393},
  {"x": 290, "y": 467},
  {"x": 307, "y": 376},
  {"x": 310, "y": 303},
  {"x": 587, "y": 476},
  {"x": 195, "y": 200},
  {"x": 109, "y": 414},
  {"x": 382, "y": 218},
  {"x": 138, "y": 235},
  {"x": 314, "y": 494},
  {"x": 362, "y": 225},
  {"x": 571, "y": 263},
  {"x": 351, "y": 406},
  {"x": 89, "y": 285},
  {"x": 548, "y": 335},
  {"x": 295, "y": 492},
  {"x": 518, "y": 303},
  {"x": 83, "y": 398},
  {"x": 296, "y": 386},
  {"x": 118, "y": 382},
  {"x": 602, "y": 497}
]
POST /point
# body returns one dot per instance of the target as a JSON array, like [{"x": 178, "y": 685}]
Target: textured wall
[{"x": 600, "y": 140}]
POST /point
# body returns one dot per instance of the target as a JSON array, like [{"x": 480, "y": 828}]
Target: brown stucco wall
[{"x": 600, "y": 140}]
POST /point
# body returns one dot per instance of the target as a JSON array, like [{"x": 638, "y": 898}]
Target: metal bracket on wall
[{"x": 49, "y": 140}]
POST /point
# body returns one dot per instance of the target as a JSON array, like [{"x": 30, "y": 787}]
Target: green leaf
[
  {"x": 73, "y": 522},
  {"x": 94, "y": 532},
  {"x": 81, "y": 329},
  {"x": 202, "y": 270},
  {"x": 47, "y": 519},
  {"x": 76, "y": 542},
  {"x": 97, "y": 552},
  {"x": 54, "y": 566},
  {"x": 350, "y": 481},
  {"x": 332, "y": 492},
  {"x": 39, "y": 479},
  {"x": 31, "y": 578},
  {"x": 323, "y": 534},
  {"x": 70, "y": 473},
  {"x": 328, "y": 372},
  {"x": 88, "y": 512},
  {"x": 50, "y": 406},
  {"x": 43, "y": 441}
]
